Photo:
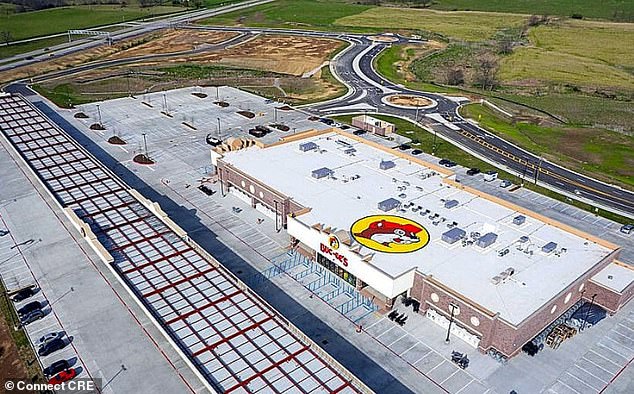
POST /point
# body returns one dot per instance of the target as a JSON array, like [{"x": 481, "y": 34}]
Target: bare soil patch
[
  {"x": 199, "y": 95},
  {"x": 247, "y": 114},
  {"x": 116, "y": 140},
  {"x": 409, "y": 101}
]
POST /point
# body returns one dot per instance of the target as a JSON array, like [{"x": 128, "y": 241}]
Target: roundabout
[{"x": 409, "y": 101}]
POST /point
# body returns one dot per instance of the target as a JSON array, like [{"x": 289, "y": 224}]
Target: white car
[{"x": 48, "y": 337}]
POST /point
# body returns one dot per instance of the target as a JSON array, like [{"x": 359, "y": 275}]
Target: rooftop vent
[
  {"x": 523, "y": 239},
  {"x": 322, "y": 173},
  {"x": 349, "y": 151},
  {"x": 487, "y": 240},
  {"x": 451, "y": 203},
  {"x": 549, "y": 247},
  {"x": 389, "y": 204},
  {"x": 454, "y": 235},
  {"x": 519, "y": 220},
  {"x": 308, "y": 146},
  {"x": 386, "y": 164}
]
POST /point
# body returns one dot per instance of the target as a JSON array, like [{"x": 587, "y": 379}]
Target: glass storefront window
[{"x": 335, "y": 269}]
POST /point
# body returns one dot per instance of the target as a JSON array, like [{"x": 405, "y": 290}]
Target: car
[
  {"x": 213, "y": 141},
  {"x": 48, "y": 337},
  {"x": 404, "y": 147},
  {"x": 473, "y": 171},
  {"x": 359, "y": 132},
  {"x": 23, "y": 294},
  {"x": 52, "y": 346},
  {"x": 416, "y": 152},
  {"x": 30, "y": 307},
  {"x": 63, "y": 376},
  {"x": 627, "y": 229},
  {"x": 206, "y": 189},
  {"x": 31, "y": 317},
  {"x": 450, "y": 163},
  {"x": 344, "y": 127},
  {"x": 327, "y": 121},
  {"x": 505, "y": 183},
  {"x": 442, "y": 162},
  {"x": 57, "y": 366}
]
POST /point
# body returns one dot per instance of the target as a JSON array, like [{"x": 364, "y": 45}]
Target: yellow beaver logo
[{"x": 390, "y": 234}]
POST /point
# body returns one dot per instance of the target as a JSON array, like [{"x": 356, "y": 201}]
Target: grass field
[
  {"x": 609, "y": 9},
  {"x": 558, "y": 56},
  {"x": 470, "y": 26},
  {"x": 39, "y": 23},
  {"x": 319, "y": 14},
  {"x": 16, "y": 49},
  {"x": 600, "y": 153},
  {"x": 424, "y": 141}
]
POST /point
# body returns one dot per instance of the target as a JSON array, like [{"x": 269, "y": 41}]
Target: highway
[{"x": 366, "y": 94}]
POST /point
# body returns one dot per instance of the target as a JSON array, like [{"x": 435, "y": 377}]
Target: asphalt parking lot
[{"x": 413, "y": 354}]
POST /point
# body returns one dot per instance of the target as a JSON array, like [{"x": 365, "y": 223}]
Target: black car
[
  {"x": 473, "y": 171},
  {"x": 206, "y": 189},
  {"x": 450, "y": 164},
  {"x": 404, "y": 147},
  {"x": 31, "y": 317},
  {"x": 327, "y": 121},
  {"x": 30, "y": 307},
  {"x": 442, "y": 162},
  {"x": 417, "y": 152},
  {"x": 359, "y": 132},
  {"x": 52, "y": 346},
  {"x": 56, "y": 367},
  {"x": 344, "y": 127},
  {"x": 213, "y": 141},
  {"x": 23, "y": 294}
]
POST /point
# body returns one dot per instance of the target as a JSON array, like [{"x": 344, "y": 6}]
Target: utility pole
[
  {"x": 218, "y": 93},
  {"x": 145, "y": 145},
  {"x": 275, "y": 115},
  {"x": 433, "y": 148},
  {"x": 539, "y": 166},
  {"x": 219, "y": 137},
  {"x": 165, "y": 104},
  {"x": 585, "y": 319},
  {"x": 99, "y": 114},
  {"x": 453, "y": 310},
  {"x": 416, "y": 116}
]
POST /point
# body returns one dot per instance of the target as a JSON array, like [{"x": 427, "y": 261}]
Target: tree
[
  {"x": 505, "y": 46},
  {"x": 486, "y": 71},
  {"x": 455, "y": 76},
  {"x": 6, "y": 36}
]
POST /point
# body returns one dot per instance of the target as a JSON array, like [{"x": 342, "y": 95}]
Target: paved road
[{"x": 367, "y": 90}]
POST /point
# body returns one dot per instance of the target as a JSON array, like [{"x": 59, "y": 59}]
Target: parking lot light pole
[
  {"x": 99, "y": 115},
  {"x": 539, "y": 165},
  {"x": 453, "y": 309},
  {"x": 219, "y": 137},
  {"x": 145, "y": 145},
  {"x": 585, "y": 319}
]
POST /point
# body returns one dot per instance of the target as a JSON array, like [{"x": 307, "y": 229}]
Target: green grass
[
  {"x": 385, "y": 65},
  {"x": 16, "y": 49},
  {"x": 320, "y": 14},
  {"x": 600, "y": 153},
  {"x": 580, "y": 110},
  {"x": 58, "y": 20},
  {"x": 469, "y": 26},
  {"x": 424, "y": 141},
  {"x": 64, "y": 95},
  {"x": 619, "y": 10}
]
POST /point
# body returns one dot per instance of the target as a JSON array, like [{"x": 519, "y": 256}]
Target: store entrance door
[{"x": 337, "y": 270}]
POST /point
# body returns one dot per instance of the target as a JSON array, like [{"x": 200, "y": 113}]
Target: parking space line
[
  {"x": 410, "y": 348},
  {"x": 620, "y": 344},
  {"x": 622, "y": 325},
  {"x": 559, "y": 380},
  {"x": 437, "y": 365},
  {"x": 384, "y": 332},
  {"x": 589, "y": 373},
  {"x": 624, "y": 336},
  {"x": 613, "y": 351},
  {"x": 399, "y": 338},
  {"x": 596, "y": 365},
  {"x": 448, "y": 377},
  {"x": 605, "y": 358},
  {"x": 584, "y": 383},
  {"x": 465, "y": 386},
  {"x": 423, "y": 356}
]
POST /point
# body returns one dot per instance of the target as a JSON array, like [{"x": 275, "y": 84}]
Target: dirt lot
[
  {"x": 11, "y": 366},
  {"x": 281, "y": 54},
  {"x": 168, "y": 41},
  {"x": 409, "y": 101}
]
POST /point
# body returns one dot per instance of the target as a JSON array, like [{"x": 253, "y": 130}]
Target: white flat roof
[
  {"x": 339, "y": 201},
  {"x": 615, "y": 276}
]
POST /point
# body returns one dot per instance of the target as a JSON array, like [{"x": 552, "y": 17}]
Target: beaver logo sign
[{"x": 390, "y": 234}]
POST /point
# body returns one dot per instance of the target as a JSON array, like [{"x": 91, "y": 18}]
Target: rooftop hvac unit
[
  {"x": 496, "y": 280},
  {"x": 451, "y": 203},
  {"x": 549, "y": 247},
  {"x": 510, "y": 271},
  {"x": 523, "y": 239},
  {"x": 519, "y": 220},
  {"x": 349, "y": 151},
  {"x": 308, "y": 146},
  {"x": 454, "y": 235},
  {"x": 389, "y": 204},
  {"x": 386, "y": 164},
  {"x": 322, "y": 173},
  {"x": 487, "y": 240}
]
